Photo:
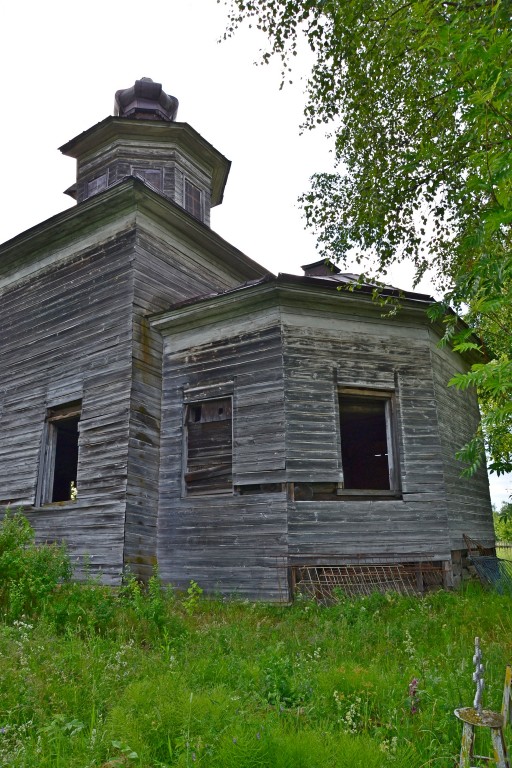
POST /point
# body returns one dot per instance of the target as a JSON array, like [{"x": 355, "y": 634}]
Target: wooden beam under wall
[{"x": 447, "y": 574}]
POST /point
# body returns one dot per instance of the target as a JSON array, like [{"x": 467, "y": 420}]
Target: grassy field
[{"x": 92, "y": 677}]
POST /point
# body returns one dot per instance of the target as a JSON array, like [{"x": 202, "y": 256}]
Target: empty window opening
[
  {"x": 58, "y": 481},
  {"x": 367, "y": 442},
  {"x": 209, "y": 447},
  {"x": 193, "y": 199},
  {"x": 66, "y": 458}
]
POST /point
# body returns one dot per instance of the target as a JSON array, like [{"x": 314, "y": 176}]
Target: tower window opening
[
  {"x": 193, "y": 200},
  {"x": 59, "y": 468}
]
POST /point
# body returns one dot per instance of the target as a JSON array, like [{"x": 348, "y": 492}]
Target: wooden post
[
  {"x": 499, "y": 748},
  {"x": 505, "y": 706},
  {"x": 466, "y": 750},
  {"x": 419, "y": 578},
  {"x": 447, "y": 574}
]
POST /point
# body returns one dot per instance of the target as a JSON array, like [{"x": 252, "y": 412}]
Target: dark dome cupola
[
  {"x": 144, "y": 140},
  {"x": 146, "y": 100}
]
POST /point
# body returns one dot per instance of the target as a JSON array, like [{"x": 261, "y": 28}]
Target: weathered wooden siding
[
  {"x": 164, "y": 157},
  {"x": 285, "y": 378},
  {"x": 468, "y": 499},
  {"x": 170, "y": 168},
  {"x": 165, "y": 272},
  {"x": 66, "y": 334},
  {"x": 319, "y": 357},
  {"x": 74, "y": 306},
  {"x": 235, "y": 543}
]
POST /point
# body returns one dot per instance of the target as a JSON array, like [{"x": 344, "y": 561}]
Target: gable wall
[{"x": 65, "y": 334}]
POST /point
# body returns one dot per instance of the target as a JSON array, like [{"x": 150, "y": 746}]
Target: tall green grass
[{"x": 95, "y": 677}]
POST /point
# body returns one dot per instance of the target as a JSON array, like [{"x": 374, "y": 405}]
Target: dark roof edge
[
  {"x": 141, "y": 125},
  {"x": 384, "y": 291},
  {"x": 283, "y": 278},
  {"x": 281, "y": 281}
]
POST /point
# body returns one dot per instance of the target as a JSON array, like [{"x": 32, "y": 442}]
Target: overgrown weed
[
  {"x": 29, "y": 574},
  {"x": 139, "y": 676}
]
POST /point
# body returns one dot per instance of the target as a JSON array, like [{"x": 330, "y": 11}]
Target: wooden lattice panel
[{"x": 322, "y": 583}]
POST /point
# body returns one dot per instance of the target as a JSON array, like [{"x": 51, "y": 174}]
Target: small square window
[
  {"x": 59, "y": 465},
  {"x": 367, "y": 441},
  {"x": 208, "y": 447},
  {"x": 193, "y": 200}
]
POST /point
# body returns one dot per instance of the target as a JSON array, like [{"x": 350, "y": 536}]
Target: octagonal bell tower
[{"x": 144, "y": 140}]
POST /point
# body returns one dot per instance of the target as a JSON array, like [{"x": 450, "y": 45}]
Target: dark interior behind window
[
  {"x": 364, "y": 442},
  {"x": 66, "y": 458},
  {"x": 59, "y": 458}
]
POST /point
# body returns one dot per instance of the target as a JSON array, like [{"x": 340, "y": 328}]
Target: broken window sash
[
  {"x": 151, "y": 176},
  {"x": 59, "y": 456},
  {"x": 209, "y": 446},
  {"x": 368, "y": 445}
]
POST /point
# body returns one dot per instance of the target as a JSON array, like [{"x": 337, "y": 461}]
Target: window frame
[
  {"x": 200, "y": 203},
  {"x": 188, "y": 405},
  {"x": 48, "y": 456},
  {"x": 146, "y": 175},
  {"x": 389, "y": 398}
]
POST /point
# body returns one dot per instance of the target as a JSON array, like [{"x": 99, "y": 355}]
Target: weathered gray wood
[
  {"x": 468, "y": 499},
  {"x": 310, "y": 362},
  {"x": 63, "y": 325},
  {"x": 73, "y": 324},
  {"x": 78, "y": 297}
]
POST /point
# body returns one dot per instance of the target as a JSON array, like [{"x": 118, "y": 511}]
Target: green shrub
[
  {"x": 192, "y": 600},
  {"x": 503, "y": 522},
  {"x": 83, "y": 608},
  {"x": 29, "y": 573},
  {"x": 147, "y": 612}
]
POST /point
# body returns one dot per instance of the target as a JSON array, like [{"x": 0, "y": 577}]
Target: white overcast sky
[{"x": 61, "y": 63}]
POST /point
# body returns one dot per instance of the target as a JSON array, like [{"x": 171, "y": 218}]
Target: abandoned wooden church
[{"x": 163, "y": 399}]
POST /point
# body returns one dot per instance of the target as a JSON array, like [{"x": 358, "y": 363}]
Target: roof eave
[
  {"x": 283, "y": 289},
  {"x": 116, "y": 203},
  {"x": 112, "y": 128}
]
